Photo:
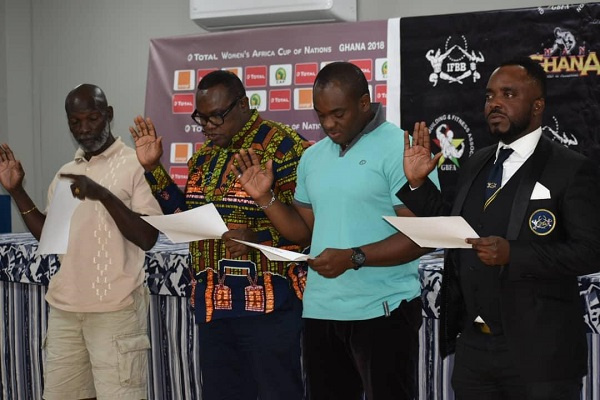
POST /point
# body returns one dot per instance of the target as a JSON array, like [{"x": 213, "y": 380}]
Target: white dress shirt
[{"x": 522, "y": 149}]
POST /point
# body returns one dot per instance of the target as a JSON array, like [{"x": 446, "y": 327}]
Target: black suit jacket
[{"x": 541, "y": 310}]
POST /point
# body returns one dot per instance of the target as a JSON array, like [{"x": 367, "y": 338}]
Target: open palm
[
  {"x": 256, "y": 180},
  {"x": 11, "y": 170},
  {"x": 148, "y": 146},
  {"x": 418, "y": 162}
]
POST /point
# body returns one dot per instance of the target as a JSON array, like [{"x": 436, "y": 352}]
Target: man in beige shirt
[{"x": 97, "y": 341}]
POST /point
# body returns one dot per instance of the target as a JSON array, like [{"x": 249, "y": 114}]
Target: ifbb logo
[
  {"x": 565, "y": 56},
  {"x": 453, "y": 137},
  {"x": 554, "y": 133},
  {"x": 455, "y": 64}
]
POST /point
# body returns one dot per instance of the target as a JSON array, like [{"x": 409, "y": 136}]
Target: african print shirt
[{"x": 211, "y": 180}]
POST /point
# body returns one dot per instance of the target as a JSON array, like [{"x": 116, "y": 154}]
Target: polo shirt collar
[{"x": 377, "y": 120}]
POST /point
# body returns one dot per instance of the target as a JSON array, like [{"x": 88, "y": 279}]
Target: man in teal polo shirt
[{"x": 362, "y": 305}]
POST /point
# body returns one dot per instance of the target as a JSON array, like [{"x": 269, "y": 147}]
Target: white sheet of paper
[
  {"x": 276, "y": 254},
  {"x": 199, "y": 223},
  {"x": 55, "y": 233},
  {"x": 435, "y": 232}
]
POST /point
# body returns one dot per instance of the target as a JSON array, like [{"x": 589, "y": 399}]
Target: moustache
[
  {"x": 495, "y": 111},
  {"x": 84, "y": 138}
]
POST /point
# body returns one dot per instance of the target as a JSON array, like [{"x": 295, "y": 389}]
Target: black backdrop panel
[{"x": 446, "y": 61}]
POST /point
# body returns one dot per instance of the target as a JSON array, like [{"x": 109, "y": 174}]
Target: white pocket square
[{"x": 540, "y": 192}]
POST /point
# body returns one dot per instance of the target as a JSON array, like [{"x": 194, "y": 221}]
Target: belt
[{"x": 483, "y": 328}]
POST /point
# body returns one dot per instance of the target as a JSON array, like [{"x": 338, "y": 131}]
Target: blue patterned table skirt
[{"x": 174, "y": 362}]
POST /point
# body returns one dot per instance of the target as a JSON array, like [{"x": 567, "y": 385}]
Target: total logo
[
  {"x": 565, "y": 56},
  {"x": 366, "y": 66},
  {"x": 306, "y": 73},
  {"x": 256, "y": 76},
  {"x": 179, "y": 175},
  {"x": 280, "y": 75},
  {"x": 453, "y": 137},
  {"x": 554, "y": 133},
  {"x": 280, "y": 100},
  {"x": 381, "y": 94},
  {"x": 183, "y": 103},
  {"x": 456, "y": 64}
]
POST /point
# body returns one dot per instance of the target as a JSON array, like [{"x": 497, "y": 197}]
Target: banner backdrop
[
  {"x": 277, "y": 65},
  {"x": 446, "y": 60}
]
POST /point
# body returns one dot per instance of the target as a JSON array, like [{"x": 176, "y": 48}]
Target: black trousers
[
  {"x": 378, "y": 357},
  {"x": 485, "y": 370},
  {"x": 252, "y": 357}
]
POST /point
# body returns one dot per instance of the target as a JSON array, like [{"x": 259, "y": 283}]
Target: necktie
[{"x": 494, "y": 182}]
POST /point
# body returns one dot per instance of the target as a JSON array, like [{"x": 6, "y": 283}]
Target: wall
[
  {"x": 3, "y": 135},
  {"x": 48, "y": 47}
]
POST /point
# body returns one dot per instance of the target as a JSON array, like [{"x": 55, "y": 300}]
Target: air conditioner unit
[{"x": 215, "y": 15}]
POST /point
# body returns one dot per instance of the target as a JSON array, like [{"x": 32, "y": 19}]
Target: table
[{"x": 174, "y": 362}]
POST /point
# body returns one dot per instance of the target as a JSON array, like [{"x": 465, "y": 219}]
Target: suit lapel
[
  {"x": 532, "y": 171},
  {"x": 471, "y": 174}
]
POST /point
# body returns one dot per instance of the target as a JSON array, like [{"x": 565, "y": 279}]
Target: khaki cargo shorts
[{"x": 102, "y": 355}]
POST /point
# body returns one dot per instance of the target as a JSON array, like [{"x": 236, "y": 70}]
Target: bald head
[
  {"x": 345, "y": 75},
  {"x": 89, "y": 117},
  {"x": 86, "y": 97}
]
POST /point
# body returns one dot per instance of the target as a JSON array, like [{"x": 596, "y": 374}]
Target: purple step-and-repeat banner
[{"x": 277, "y": 66}]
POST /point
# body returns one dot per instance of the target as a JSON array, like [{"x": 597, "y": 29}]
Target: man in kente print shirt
[{"x": 248, "y": 314}]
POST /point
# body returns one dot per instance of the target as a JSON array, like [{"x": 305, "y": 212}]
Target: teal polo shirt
[{"x": 349, "y": 192}]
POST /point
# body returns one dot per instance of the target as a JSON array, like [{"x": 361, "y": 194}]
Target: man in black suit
[{"x": 510, "y": 305}]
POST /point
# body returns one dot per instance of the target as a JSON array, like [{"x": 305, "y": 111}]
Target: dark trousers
[
  {"x": 485, "y": 370},
  {"x": 379, "y": 356},
  {"x": 252, "y": 357}
]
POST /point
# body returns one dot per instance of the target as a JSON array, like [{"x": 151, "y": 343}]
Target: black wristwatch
[{"x": 358, "y": 257}]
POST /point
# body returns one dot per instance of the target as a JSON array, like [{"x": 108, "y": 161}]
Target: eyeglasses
[{"x": 216, "y": 119}]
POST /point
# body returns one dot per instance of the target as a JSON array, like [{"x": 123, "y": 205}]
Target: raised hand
[
  {"x": 418, "y": 162},
  {"x": 255, "y": 180},
  {"x": 148, "y": 146},
  {"x": 11, "y": 170}
]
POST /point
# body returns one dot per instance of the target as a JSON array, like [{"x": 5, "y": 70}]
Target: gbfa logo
[{"x": 453, "y": 137}]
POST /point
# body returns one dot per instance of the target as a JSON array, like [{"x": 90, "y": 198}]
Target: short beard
[
  {"x": 513, "y": 133},
  {"x": 98, "y": 141}
]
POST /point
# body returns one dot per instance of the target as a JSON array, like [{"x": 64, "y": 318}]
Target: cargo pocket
[{"x": 132, "y": 354}]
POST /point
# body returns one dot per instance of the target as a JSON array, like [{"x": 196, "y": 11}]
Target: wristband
[
  {"x": 28, "y": 211},
  {"x": 270, "y": 202}
]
